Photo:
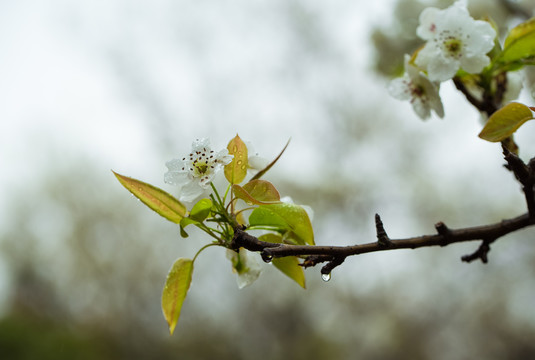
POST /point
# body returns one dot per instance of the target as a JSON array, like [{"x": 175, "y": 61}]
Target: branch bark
[
  {"x": 335, "y": 255},
  {"x": 487, "y": 233}
]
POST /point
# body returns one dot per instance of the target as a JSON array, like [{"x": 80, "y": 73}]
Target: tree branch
[
  {"x": 525, "y": 174},
  {"x": 335, "y": 255},
  {"x": 481, "y": 253},
  {"x": 323, "y": 253}
]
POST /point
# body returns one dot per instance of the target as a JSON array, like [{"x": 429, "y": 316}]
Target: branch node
[
  {"x": 249, "y": 242},
  {"x": 481, "y": 253},
  {"x": 326, "y": 269},
  {"x": 525, "y": 174},
  {"x": 516, "y": 166},
  {"x": 313, "y": 260},
  {"x": 382, "y": 236},
  {"x": 443, "y": 231}
]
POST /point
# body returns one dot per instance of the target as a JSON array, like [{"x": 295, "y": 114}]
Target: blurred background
[{"x": 86, "y": 87}]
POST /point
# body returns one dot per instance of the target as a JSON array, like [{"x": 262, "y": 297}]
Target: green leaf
[
  {"x": 504, "y": 122},
  {"x": 236, "y": 171},
  {"x": 201, "y": 210},
  {"x": 199, "y": 213},
  {"x": 257, "y": 192},
  {"x": 288, "y": 218},
  {"x": 158, "y": 200},
  {"x": 262, "y": 190},
  {"x": 183, "y": 232},
  {"x": 175, "y": 290},
  {"x": 185, "y": 222},
  {"x": 288, "y": 265},
  {"x": 520, "y": 43}
]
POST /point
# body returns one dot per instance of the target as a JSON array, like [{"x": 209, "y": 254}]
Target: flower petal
[
  {"x": 442, "y": 68},
  {"x": 191, "y": 191},
  {"x": 421, "y": 109},
  {"x": 175, "y": 164},
  {"x": 399, "y": 88},
  {"x": 199, "y": 144},
  {"x": 223, "y": 157},
  {"x": 481, "y": 39},
  {"x": 474, "y": 64},
  {"x": 455, "y": 40},
  {"x": 427, "y": 27}
]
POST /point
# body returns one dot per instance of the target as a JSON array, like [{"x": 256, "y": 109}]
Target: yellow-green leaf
[
  {"x": 288, "y": 265},
  {"x": 262, "y": 190},
  {"x": 504, "y": 122},
  {"x": 175, "y": 290},
  {"x": 287, "y": 218},
  {"x": 257, "y": 192},
  {"x": 520, "y": 43},
  {"x": 157, "y": 199},
  {"x": 185, "y": 222},
  {"x": 236, "y": 171},
  {"x": 201, "y": 210}
]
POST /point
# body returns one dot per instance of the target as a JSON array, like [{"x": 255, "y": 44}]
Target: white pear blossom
[
  {"x": 454, "y": 40},
  {"x": 245, "y": 265},
  {"x": 416, "y": 87},
  {"x": 255, "y": 161},
  {"x": 195, "y": 172},
  {"x": 514, "y": 86}
]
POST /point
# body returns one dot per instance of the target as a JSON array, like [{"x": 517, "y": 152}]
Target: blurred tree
[{"x": 85, "y": 266}]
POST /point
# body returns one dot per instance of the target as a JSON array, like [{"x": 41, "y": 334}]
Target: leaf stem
[
  {"x": 226, "y": 193},
  {"x": 210, "y": 232},
  {"x": 221, "y": 203},
  {"x": 204, "y": 247}
]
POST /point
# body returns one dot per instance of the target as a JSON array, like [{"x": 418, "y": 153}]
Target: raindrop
[
  {"x": 326, "y": 277},
  {"x": 267, "y": 257}
]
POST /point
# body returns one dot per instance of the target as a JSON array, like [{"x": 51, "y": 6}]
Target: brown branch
[
  {"x": 382, "y": 236},
  {"x": 335, "y": 255},
  {"x": 525, "y": 174},
  {"x": 491, "y": 99},
  {"x": 485, "y": 232},
  {"x": 478, "y": 104},
  {"x": 481, "y": 253}
]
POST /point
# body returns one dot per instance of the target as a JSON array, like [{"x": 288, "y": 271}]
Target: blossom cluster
[
  {"x": 195, "y": 172},
  {"x": 454, "y": 41}
]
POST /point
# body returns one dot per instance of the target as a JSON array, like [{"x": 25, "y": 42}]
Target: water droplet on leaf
[{"x": 326, "y": 277}]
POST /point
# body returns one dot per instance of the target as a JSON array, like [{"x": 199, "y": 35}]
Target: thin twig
[
  {"x": 484, "y": 232},
  {"x": 335, "y": 255},
  {"x": 481, "y": 253},
  {"x": 382, "y": 236},
  {"x": 525, "y": 174}
]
